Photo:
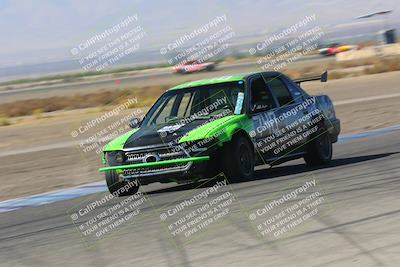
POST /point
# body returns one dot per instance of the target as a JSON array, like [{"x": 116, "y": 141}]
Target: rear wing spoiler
[{"x": 323, "y": 78}]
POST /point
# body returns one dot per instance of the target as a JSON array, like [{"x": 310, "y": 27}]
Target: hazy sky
[{"x": 58, "y": 25}]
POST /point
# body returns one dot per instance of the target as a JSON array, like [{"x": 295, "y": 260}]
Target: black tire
[
  {"x": 210, "y": 68},
  {"x": 116, "y": 187},
  {"x": 238, "y": 160},
  {"x": 319, "y": 150},
  {"x": 182, "y": 71}
]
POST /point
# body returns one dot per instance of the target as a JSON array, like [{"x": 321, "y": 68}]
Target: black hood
[{"x": 161, "y": 134}]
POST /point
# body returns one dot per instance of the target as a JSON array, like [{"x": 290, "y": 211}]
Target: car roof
[{"x": 222, "y": 79}]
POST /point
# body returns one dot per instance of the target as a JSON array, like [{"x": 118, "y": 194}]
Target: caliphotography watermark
[
  {"x": 199, "y": 211},
  {"x": 174, "y": 135},
  {"x": 110, "y": 46},
  {"x": 284, "y": 213},
  {"x": 279, "y": 50},
  {"x": 302, "y": 124},
  {"x": 92, "y": 135},
  {"x": 194, "y": 50},
  {"x": 101, "y": 216},
  {"x": 202, "y": 114}
]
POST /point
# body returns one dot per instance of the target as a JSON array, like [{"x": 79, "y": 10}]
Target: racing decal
[
  {"x": 265, "y": 124},
  {"x": 239, "y": 103},
  {"x": 170, "y": 128}
]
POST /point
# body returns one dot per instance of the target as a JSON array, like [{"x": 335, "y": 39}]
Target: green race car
[{"x": 227, "y": 125}]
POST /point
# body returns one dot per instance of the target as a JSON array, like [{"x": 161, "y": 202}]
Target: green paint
[
  {"x": 103, "y": 159},
  {"x": 158, "y": 163},
  {"x": 222, "y": 128},
  {"x": 119, "y": 142},
  {"x": 223, "y": 79}
]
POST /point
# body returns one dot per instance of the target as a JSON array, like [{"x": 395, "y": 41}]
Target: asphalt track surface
[{"x": 357, "y": 224}]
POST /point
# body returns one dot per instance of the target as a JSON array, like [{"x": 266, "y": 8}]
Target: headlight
[
  {"x": 199, "y": 147},
  {"x": 119, "y": 157},
  {"x": 115, "y": 158}
]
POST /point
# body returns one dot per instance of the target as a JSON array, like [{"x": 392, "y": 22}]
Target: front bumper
[
  {"x": 334, "y": 130},
  {"x": 152, "y": 164},
  {"x": 161, "y": 171}
]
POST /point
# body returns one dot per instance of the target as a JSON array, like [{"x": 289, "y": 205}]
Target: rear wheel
[
  {"x": 319, "y": 150},
  {"x": 119, "y": 188},
  {"x": 238, "y": 160}
]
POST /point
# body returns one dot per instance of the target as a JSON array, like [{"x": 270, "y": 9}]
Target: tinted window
[
  {"x": 259, "y": 93},
  {"x": 295, "y": 90},
  {"x": 280, "y": 90}
]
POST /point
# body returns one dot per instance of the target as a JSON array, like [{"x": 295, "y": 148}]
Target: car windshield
[{"x": 197, "y": 103}]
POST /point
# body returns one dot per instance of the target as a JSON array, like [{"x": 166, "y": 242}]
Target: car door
[
  {"x": 289, "y": 118},
  {"x": 262, "y": 111}
]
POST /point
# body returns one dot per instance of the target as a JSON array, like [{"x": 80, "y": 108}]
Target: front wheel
[
  {"x": 319, "y": 150},
  {"x": 238, "y": 160},
  {"x": 210, "y": 68},
  {"x": 119, "y": 188}
]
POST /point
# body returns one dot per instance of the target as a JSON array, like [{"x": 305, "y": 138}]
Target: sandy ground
[{"x": 39, "y": 155}]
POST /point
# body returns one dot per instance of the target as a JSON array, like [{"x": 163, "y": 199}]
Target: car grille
[
  {"x": 163, "y": 153},
  {"x": 156, "y": 154},
  {"x": 156, "y": 170}
]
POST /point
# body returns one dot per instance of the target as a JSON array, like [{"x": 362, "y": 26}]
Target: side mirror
[
  {"x": 134, "y": 123},
  {"x": 260, "y": 106}
]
